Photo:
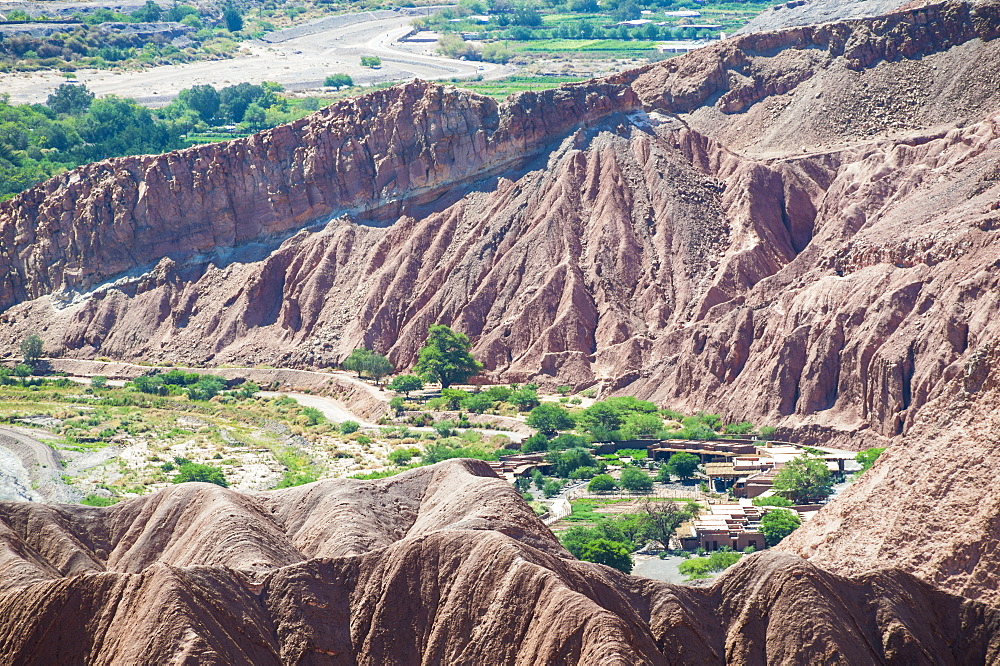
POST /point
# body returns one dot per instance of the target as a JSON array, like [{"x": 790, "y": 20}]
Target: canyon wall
[{"x": 795, "y": 227}]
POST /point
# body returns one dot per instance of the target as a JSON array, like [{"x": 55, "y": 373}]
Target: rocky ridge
[
  {"x": 670, "y": 232},
  {"x": 439, "y": 565}
]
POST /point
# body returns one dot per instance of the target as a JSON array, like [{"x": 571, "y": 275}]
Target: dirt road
[
  {"x": 299, "y": 62},
  {"x": 30, "y": 470}
]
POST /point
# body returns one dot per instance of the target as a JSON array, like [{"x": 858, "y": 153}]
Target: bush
[
  {"x": 566, "y": 461},
  {"x": 773, "y": 500},
  {"x": 551, "y": 488},
  {"x": 695, "y": 568},
  {"x": 524, "y": 399},
  {"x": 639, "y": 425},
  {"x": 602, "y": 483},
  {"x": 338, "y": 81},
  {"x": 635, "y": 480},
  {"x": 567, "y": 441},
  {"x": 347, "y": 427},
  {"x": 804, "y": 479},
  {"x": 400, "y": 457},
  {"x": 549, "y": 418},
  {"x": 397, "y": 405},
  {"x": 776, "y": 524},
  {"x": 868, "y": 457},
  {"x": 190, "y": 471},
  {"x": 99, "y": 381},
  {"x": 313, "y": 415},
  {"x": 477, "y": 403}
]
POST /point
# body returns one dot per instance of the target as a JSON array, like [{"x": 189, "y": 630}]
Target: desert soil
[{"x": 301, "y": 62}]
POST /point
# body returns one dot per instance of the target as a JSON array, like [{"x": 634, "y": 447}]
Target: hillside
[
  {"x": 444, "y": 564},
  {"x": 694, "y": 231}
]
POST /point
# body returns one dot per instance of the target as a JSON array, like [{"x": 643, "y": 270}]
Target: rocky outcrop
[
  {"x": 382, "y": 150},
  {"x": 439, "y": 565},
  {"x": 793, "y": 228}
]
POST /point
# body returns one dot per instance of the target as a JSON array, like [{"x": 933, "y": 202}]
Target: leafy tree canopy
[
  {"x": 776, "y": 524},
  {"x": 446, "y": 357},
  {"x": 804, "y": 479},
  {"x": 190, "y": 471},
  {"x": 549, "y": 418}
]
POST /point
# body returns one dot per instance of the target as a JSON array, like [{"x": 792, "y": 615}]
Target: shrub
[
  {"x": 695, "y": 568},
  {"x": 313, "y": 415},
  {"x": 741, "y": 428},
  {"x": 347, "y": 427},
  {"x": 98, "y": 500},
  {"x": 583, "y": 473},
  {"x": 602, "y": 483},
  {"x": 338, "y": 81},
  {"x": 371, "y": 61},
  {"x": 405, "y": 384},
  {"x": 868, "y": 457},
  {"x": 190, "y": 471},
  {"x": 99, "y": 381},
  {"x": 635, "y": 480},
  {"x": 776, "y": 524},
  {"x": 537, "y": 442}
]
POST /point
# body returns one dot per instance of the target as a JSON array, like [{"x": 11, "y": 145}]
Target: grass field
[
  {"x": 605, "y": 47},
  {"x": 501, "y": 88}
]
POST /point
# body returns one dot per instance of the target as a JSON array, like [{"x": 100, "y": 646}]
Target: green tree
[
  {"x": 663, "y": 519},
  {"x": 149, "y": 13},
  {"x": 313, "y": 415},
  {"x": 371, "y": 61},
  {"x": 566, "y": 441},
  {"x": 190, "y": 471},
  {"x": 202, "y": 99},
  {"x": 357, "y": 361},
  {"x": 611, "y": 553},
  {"x": 446, "y": 358},
  {"x": 347, "y": 427},
  {"x": 776, "y": 524},
  {"x": 549, "y": 418},
  {"x": 566, "y": 461},
  {"x": 522, "y": 484},
  {"x": 537, "y": 478},
  {"x": 22, "y": 371},
  {"x": 405, "y": 384},
  {"x": 537, "y": 442},
  {"x": 551, "y": 488},
  {"x": 248, "y": 390},
  {"x": 31, "y": 350},
  {"x": 232, "y": 18},
  {"x": 638, "y": 425},
  {"x": 99, "y": 381},
  {"x": 683, "y": 464},
  {"x": 338, "y": 81},
  {"x": 70, "y": 98},
  {"x": 663, "y": 474},
  {"x": 602, "y": 483},
  {"x": 206, "y": 388},
  {"x": 804, "y": 479},
  {"x": 868, "y": 457},
  {"x": 524, "y": 398},
  {"x": 378, "y": 366},
  {"x": 397, "y": 404},
  {"x": 635, "y": 480}
]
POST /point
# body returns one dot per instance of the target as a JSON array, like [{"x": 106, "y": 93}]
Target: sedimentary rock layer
[{"x": 790, "y": 226}]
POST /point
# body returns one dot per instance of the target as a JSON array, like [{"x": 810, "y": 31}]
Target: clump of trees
[
  {"x": 612, "y": 540},
  {"x": 365, "y": 361}
]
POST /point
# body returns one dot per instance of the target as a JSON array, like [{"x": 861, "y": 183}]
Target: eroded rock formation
[
  {"x": 794, "y": 226},
  {"x": 444, "y": 564}
]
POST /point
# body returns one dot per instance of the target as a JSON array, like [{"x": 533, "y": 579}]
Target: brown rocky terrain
[
  {"x": 733, "y": 229},
  {"x": 796, "y": 227},
  {"x": 444, "y": 564}
]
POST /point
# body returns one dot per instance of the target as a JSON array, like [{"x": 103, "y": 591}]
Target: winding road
[{"x": 31, "y": 470}]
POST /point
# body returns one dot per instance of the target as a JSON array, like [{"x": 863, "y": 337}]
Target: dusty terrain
[
  {"x": 445, "y": 564},
  {"x": 796, "y": 227},
  {"x": 302, "y": 61}
]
